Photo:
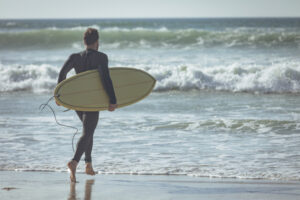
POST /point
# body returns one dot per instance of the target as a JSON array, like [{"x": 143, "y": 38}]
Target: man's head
[{"x": 91, "y": 38}]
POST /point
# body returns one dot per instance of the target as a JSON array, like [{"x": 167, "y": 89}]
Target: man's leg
[
  {"x": 88, "y": 151},
  {"x": 89, "y": 120},
  {"x": 79, "y": 113},
  {"x": 88, "y": 159},
  {"x": 88, "y": 156},
  {"x": 72, "y": 165}
]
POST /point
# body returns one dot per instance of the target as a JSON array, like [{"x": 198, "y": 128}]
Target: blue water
[{"x": 226, "y": 102}]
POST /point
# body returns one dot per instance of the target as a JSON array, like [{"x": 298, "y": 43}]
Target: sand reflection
[{"x": 87, "y": 192}]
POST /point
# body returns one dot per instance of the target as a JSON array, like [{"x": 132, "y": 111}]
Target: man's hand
[
  {"x": 112, "y": 107},
  {"x": 57, "y": 103}
]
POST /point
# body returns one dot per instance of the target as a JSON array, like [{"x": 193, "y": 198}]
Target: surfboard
[{"x": 85, "y": 92}]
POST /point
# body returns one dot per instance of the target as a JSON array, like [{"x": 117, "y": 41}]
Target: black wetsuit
[{"x": 83, "y": 61}]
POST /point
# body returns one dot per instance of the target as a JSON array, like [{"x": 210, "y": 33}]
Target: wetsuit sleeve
[
  {"x": 68, "y": 65},
  {"x": 106, "y": 81}
]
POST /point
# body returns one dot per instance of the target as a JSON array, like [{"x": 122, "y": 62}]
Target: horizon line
[{"x": 87, "y": 18}]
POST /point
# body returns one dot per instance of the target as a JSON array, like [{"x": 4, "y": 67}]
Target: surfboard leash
[{"x": 42, "y": 107}]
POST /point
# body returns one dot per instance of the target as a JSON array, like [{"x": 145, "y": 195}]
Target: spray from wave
[
  {"x": 33, "y": 78},
  {"x": 234, "y": 78},
  {"x": 277, "y": 78}
]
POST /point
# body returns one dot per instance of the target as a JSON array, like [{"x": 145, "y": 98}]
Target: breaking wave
[
  {"x": 277, "y": 78},
  {"x": 139, "y": 37}
]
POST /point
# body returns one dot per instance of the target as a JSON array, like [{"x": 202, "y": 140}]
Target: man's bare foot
[
  {"x": 72, "y": 167},
  {"x": 89, "y": 169}
]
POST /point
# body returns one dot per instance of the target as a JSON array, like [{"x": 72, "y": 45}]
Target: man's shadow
[{"x": 87, "y": 192}]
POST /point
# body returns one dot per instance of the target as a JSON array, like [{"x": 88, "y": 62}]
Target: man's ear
[{"x": 97, "y": 43}]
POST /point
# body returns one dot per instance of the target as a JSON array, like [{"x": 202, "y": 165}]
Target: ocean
[{"x": 226, "y": 102}]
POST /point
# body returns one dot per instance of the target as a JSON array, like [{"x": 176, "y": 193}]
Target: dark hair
[{"x": 90, "y": 36}]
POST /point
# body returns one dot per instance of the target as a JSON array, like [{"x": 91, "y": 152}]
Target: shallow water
[{"x": 225, "y": 135}]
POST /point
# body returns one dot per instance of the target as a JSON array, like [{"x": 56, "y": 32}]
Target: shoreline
[
  {"x": 56, "y": 185},
  {"x": 222, "y": 179}
]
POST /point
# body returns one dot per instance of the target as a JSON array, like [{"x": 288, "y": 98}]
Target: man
[{"x": 88, "y": 59}]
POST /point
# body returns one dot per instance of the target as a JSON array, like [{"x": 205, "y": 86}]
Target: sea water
[{"x": 226, "y": 102}]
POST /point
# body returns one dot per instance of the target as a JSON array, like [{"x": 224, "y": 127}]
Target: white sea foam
[
  {"x": 129, "y": 37},
  {"x": 160, "y": 142},
  {"x": 277, "y": 78},
  {"x": 109, "y": 29},
  {"x": 36, "y": 78}
]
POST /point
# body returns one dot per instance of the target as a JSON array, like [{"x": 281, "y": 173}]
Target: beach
[
  {"x": 222, "y": 122},
  {"x": 54, "y": 185}
]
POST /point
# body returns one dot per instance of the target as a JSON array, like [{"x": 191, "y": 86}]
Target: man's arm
[
  {"x": 68, "y": 65},
  {"x": 106, "y": 81}
]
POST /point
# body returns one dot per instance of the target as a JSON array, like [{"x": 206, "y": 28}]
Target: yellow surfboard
[{"x": 85, "y": 92}]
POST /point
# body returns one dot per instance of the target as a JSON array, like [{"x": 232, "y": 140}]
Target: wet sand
[{"x": 56, "y": 185}]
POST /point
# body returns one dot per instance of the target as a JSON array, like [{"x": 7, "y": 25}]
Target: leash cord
[{"x": 42, "y": 107}]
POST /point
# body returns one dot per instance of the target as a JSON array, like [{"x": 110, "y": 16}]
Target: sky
[{"x": 12, "y": 9}]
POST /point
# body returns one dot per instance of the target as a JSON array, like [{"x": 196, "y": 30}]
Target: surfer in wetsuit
[{"x": 88, "y": 59}]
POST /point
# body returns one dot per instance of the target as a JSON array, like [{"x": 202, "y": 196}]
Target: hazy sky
[{"x": 147, "y": 8}]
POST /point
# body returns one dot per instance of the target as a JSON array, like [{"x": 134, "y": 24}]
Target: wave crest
[
  {"x": 139, "y": 37},
  {"x": 234, "y": 78},
  {"x": 33, "y": 78}
]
